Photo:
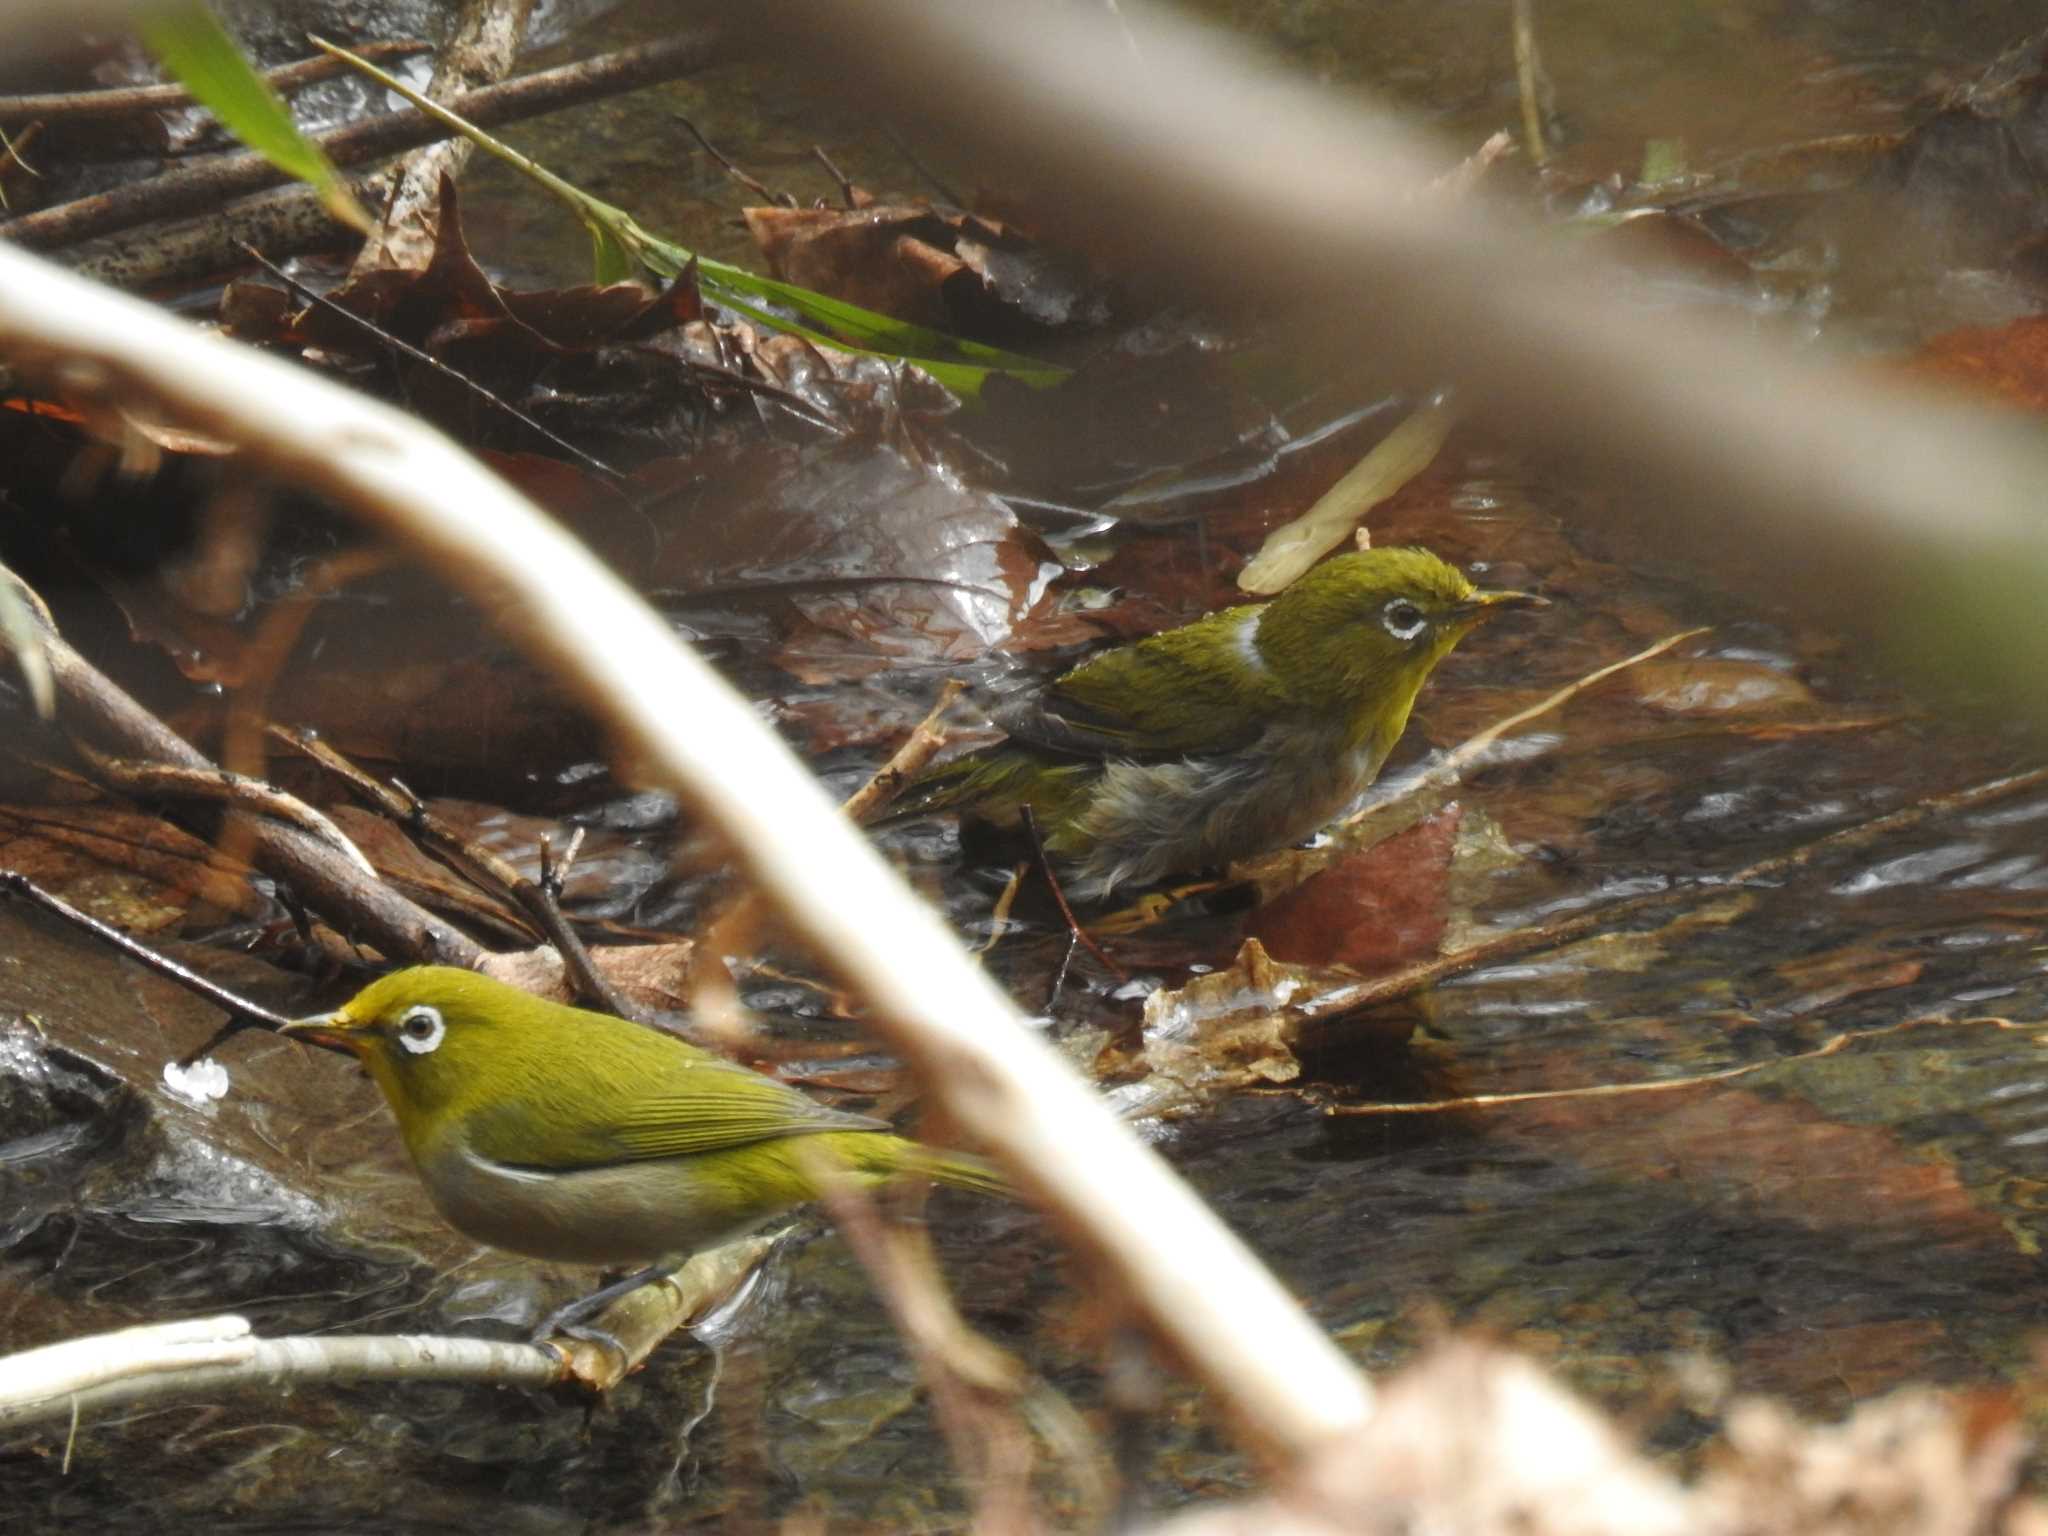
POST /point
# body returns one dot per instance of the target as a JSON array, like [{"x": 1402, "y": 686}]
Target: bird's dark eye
[
  {"x": 1403, "y": 620},
  {"x": 420, "y": 1029}
]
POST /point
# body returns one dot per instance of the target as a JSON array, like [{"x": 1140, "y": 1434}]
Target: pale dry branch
[
  {"x": 203, "y": 1357},
  {"x": 1220, "y": 1311},
  {"x": 211, "y": 1355}
]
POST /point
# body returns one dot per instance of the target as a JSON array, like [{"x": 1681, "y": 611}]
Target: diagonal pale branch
[
  {"x": 1220, "y": 1311},
  {"x": 205, "y": 1356},
  {"x": 1890, "y": 510}
]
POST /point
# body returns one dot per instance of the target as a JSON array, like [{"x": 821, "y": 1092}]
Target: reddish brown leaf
[
  {"x": 1376, "y": 909},
  {"x": 2007, "y": 362}
]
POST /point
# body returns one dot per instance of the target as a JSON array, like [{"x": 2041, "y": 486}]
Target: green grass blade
[
  {"x": 193, "y": 46},
  {"x": 619, "y": 241}
]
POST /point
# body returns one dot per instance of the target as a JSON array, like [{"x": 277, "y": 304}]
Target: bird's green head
[
  {"x": 1359, "y": 635},
  {"x": 436, "y": 1039}
]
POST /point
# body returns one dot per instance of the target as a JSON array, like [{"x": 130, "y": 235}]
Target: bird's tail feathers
[
  {"x": 998, "y": 774},
  {"x": 965, "y": 1172}
]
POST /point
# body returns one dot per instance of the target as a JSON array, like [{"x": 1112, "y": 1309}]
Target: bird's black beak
[
  {"x": 1484, "y": 605},
  {"x": 329, "y": 1031}
]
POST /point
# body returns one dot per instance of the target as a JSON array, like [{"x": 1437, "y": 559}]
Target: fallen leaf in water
[
  {"x": 1231, "y": 1029},
  {"x": 2007, "y": 362},
  {"x": 883, "y": 558},
  {"x": 1373, "y": 909},
  {"x": 941, "y": 268},
  {"x": 1699, "y": 686}
]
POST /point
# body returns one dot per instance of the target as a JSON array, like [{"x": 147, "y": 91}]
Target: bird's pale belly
[
  {"x": 1149, "y": 820},
  {"x": 626, "y": 1213}
]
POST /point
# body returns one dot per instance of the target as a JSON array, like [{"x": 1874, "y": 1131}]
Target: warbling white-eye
[
  {"x": 1246, "y": 730},
  {"x": 576, "y": 1136}
]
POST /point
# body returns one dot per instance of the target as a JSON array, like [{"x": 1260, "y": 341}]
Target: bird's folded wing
[
  {"x": 1160, "y": 698},
  {"x": 649, "y": 1109},
  {"x": 716, "y": 1106}
]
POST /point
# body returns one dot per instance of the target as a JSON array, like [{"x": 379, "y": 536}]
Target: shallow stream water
[{"x": 1842, "y": 1219}]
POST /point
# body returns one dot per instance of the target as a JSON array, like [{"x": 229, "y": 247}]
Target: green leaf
[
  {"x": 194, "y": 46},
  {"x": 621, "y": 244},
  {"x": 611, "y": 262}
]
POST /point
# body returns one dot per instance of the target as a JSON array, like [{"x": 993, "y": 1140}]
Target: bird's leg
[
  {"x": 570, "y": 1317},
  {"x": 1059, "y": 895}
]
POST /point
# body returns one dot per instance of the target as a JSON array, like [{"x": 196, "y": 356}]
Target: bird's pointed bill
[
  {"x": 332, "y": 1030},
  {"x": 1484, "y": 604}
]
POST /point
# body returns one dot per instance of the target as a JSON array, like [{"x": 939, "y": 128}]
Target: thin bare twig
[
  {"x": 240, "y": 1011},
  {"x": 128, "y": 101},
  {"x": 759, "y": 188},
  {"x": 427, "y": 359},
  {"x": 906, "y": 762},
  {"x": 542, "y": 899},
  {"x": 1594, "y": 922},
  {"x": 1828, "y": 1047},
  {"x": 206, "y": 184},
  {"x": 846, "y": 197}
]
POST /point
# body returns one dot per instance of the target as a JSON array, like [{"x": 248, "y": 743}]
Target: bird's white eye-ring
[
  {"x": 1404, "y": 621},
  {"x": 420, "y": 1029}
]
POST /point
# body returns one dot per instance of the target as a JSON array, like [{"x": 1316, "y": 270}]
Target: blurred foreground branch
[
  {"x": 1218, "y": 1310},
  {"x": 1889, "y": 509}
]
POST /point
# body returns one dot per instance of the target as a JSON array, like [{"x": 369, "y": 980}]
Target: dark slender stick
[
  {"x": 131, "y": 100},
  {"x": 759, "y": 188},
  {"x": 242, "y": 1014},
  {"x": 845, "y": 181},
  {"x": 939, "y": 183},
  {"x": 427, "y": 360},
  {"x": 204, "y": 185},
  {"x": 284, "y": 221},
  {"x": 542, "y": 900}
]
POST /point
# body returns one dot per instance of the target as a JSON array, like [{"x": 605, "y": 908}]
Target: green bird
[
  {"x": 1246, "y": 730},
  {"x": 576, "y": 1136}
]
